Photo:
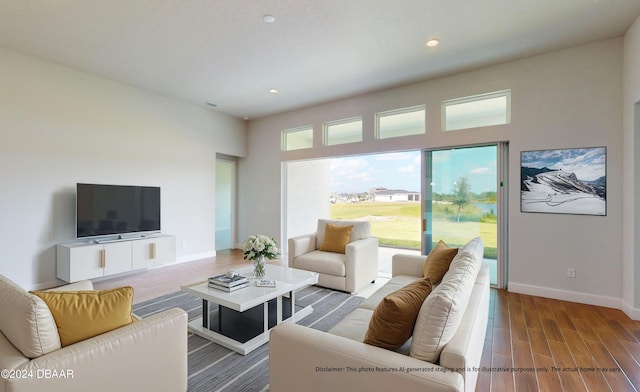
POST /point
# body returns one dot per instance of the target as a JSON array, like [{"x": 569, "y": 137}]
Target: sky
[
  {"x": 402, "y": 170},
  {"x": 587, "y": 163}
]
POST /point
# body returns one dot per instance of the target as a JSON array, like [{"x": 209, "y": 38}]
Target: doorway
[
  {"x": 225, "y": 203},
  {"x": 464, "y": 197}
]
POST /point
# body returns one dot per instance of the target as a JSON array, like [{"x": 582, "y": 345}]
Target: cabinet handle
[
  {"x": 103, "y": 258},
  {"x": 152, "y": 253}
]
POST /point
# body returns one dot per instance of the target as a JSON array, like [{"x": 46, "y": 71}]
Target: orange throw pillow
[
  {"x": 336, "y": 238},
  {"x": 438, "y": 261},
  {"x": 393, "y": 319},
  {"x": 80, "y": 315}
]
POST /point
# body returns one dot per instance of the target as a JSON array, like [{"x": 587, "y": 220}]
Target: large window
[
  {"x": 343, "y": 131},
  {"x": 477, "y": 111},
  {"x": 403, "y": 122},
  {"x": 297, "y": 138}
]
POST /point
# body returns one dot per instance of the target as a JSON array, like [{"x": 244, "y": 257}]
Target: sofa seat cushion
[
  {"x": 26, "y": 321},
  {"x": 329, "y": 263},
  {"x": 354, "y": 326},
  {"x": 442, "y": 311},
  {"x": 81, "y": 315},
  {"x": 394, "y": 284}
]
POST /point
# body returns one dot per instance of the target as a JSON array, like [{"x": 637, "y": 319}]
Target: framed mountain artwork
[{"x": 568, "y": 181}]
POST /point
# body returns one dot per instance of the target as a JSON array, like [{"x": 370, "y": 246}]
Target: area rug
[{"x": 215, "y": 368}]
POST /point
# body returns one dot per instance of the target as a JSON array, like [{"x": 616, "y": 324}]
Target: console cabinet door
[
  {"x": 117, "y": 258},
  {"x": 80, "y": 263},
  {"x": 153, "y": 252}
]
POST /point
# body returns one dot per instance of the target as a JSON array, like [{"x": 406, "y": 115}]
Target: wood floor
[{"x": 532, "y": 343}]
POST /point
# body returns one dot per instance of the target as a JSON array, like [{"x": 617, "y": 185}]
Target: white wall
[
  {"x": 307, "y": 190},
  {"x": 564, "y": 99},
  {"x": 59, "y": 126},
  {"x": 631, "y": 182}
]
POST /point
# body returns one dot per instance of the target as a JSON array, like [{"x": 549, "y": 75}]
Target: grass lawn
[{"x": 399, "y": 224}]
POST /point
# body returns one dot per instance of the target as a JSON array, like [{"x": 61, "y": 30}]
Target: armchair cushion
[
  {"x": 27, "y": 321},
  {"x": 80, "y": 315},
  {"x": 336, "y": 238},
  {"x": 325, "y": 263}
]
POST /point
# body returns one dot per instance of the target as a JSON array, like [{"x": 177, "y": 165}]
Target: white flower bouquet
[
  {"x": 258, "y": 248},
  {"x": 260, "y": 245}
]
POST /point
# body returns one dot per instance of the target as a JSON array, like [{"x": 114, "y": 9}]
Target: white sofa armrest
[
  {"x": 361, "y": 263},
  {"x": 407, "y": 264},
  {"x": 299, "y": 246},
  {"x": 305, "y": 359},
  {"x": 147, "y": 355}
]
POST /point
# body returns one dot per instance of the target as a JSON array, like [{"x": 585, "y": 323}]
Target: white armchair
[
  {"x": 147, "y": 355},
  {"x": 350, "y": 271}
]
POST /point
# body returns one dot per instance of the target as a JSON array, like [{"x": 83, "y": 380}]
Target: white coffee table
[{"x": 244, "y": 317}]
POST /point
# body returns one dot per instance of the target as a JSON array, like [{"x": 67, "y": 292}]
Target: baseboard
[
  {"x": 573, "y": 296},
  {"x": 633, "y": 313},
  {"x": 197, "y": 256}
]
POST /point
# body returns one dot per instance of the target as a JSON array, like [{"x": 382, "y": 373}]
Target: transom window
[
  {"x": 343, "y": 131},
  {"x": 401, "y": 122},
  {"x": 477, "y": 111},
  {"x": 297, "y": 138}
]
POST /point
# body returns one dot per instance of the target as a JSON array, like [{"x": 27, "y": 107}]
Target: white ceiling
[{"x": 221, "y": 51}]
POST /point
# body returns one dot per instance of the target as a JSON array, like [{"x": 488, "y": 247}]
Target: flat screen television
[{"x": 109, "y": 210}]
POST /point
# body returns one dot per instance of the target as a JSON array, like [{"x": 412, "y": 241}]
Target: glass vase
[{"x": 259, "y": 267}]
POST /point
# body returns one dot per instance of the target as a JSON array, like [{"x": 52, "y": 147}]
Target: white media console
[{"x": 88, "y": 260}]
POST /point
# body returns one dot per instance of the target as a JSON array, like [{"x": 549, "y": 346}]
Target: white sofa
[
  {"x": 302, "y": 358},
  {"x": 147, "y": 355},
  {"x": 350, "y": 271}
]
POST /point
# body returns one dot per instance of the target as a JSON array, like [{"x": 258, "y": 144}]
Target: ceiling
[{"x": 223, "y": 52}]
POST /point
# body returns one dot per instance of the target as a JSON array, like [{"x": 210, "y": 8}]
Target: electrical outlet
[
  {"x": 571, "y": 272},
  {"x": 184, "y": 244}
]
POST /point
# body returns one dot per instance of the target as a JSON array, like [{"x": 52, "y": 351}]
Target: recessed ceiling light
[
  {"x": 269, "y": 18},
  {"x": 273, "y": 91},
  {"x": 432, "y": 42}
]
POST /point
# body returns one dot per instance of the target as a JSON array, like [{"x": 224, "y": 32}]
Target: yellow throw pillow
[
  {"x": 80, "y": 315},
  {"x": 393, "y": 319},
  {"x": 336, "y": 238},
  {"x": 438, "y": 261}
]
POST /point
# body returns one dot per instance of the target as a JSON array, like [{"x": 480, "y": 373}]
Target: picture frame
[{"x": 564, "y": 181}]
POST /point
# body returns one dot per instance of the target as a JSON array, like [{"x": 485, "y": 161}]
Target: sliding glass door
[{"x": 464, "y": 197}]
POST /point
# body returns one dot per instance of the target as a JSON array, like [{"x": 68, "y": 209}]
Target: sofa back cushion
[
  {"x": 26, "y": 321},
  {"x": 442, "y": 311},
  {"x": 361, "y": 230}
]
